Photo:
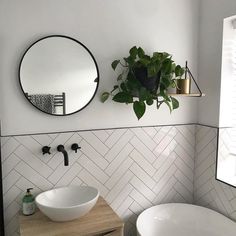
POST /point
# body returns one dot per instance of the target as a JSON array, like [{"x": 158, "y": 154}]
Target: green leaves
[
  {"x": 139, "y": 108},
  {"x": 144, "y": 94},
  {"x": 114, "y": 64},
  {"x": 104, "y": 96},
  {"x": 123, "y": 97},
  {"x": 179, "y": 71},
  {"x": 167, "y": 66},
  {"x": 145, "y": 60},
  {"x": 130, "y": 61},
  {"x": 149, "y": 101},
  {"x": 141, "y": 53},
  {"x": 165, "y": 82},
  {"x": 133, "y": 52},
  {"x": 123, "y": 87},
  {"x": 172, "y": 103},
  {"x": 161, "y": 56},
  {"x": 164, "y": 95},
  {"x": 138, "y": 66},
  {"x": 132, "y": 83},
  {"x": 119, "y": 77},
  {"x": 151, "y": 70},
  {"x": 175, "y": 103}
]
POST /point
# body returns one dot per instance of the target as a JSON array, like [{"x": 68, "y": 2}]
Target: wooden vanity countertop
[{"x": 100, "y": 220}]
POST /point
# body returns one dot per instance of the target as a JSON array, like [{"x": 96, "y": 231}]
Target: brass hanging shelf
[{"x": 187, "y": 94}]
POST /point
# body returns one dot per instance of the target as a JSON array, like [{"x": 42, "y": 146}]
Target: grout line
[{"x": 84, "y": 130}]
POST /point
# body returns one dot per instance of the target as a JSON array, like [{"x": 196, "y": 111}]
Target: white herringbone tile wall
[
  {"x": 209, "y": 192},
  {"x": 133, "y": 168}
]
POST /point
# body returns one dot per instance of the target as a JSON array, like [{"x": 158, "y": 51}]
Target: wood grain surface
[{"x": 100, "y": 221}]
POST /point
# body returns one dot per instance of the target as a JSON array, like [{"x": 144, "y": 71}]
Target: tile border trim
[{"x": 123, "y": 127}]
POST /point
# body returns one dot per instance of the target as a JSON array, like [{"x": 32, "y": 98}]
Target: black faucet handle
[
  {"x": 75, "y": 147},
  {"x": 46, "y": 150}
]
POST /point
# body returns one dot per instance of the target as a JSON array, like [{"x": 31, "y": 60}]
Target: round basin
[{"x": 68, "y": 203}]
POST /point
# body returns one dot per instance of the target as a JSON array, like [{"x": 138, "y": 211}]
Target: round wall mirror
[{"x": 58, "y": 75}]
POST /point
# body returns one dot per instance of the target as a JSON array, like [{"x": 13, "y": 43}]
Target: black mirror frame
[
  {"x": 217, "y": 156},
  {"x": 81, "y": 44},
  {"x": 2, "y": 226}
]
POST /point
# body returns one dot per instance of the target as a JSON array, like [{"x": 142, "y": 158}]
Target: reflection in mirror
[
  {"x": 58, "y": 75},
  {"x": 226, "y": 158}
]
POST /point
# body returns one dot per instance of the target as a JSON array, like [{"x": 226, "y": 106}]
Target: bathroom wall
[
  {"x": 212, "y": 14},
  {"x": 109, "y": 29},
  {"x": 132, "y": 168},
  {"x": 208, "y": 191}
]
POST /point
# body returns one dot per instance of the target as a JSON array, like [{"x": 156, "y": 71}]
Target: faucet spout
[{"x": 61, "y": 148}]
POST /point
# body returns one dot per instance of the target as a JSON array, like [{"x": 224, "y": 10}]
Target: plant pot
[
  {"x": 183, "y": 86},
  {"x": 150, "y": 83}
]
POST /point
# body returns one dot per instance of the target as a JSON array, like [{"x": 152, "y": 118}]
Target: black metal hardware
[
  {"x": 61, "y": 148},
  {"x": 2, "y": 227},
  {"x": 75, "y": 147},
  {"x": 79, "y": 43},
  {"x": 46, "y": 150},
  {"x": 187, "y": 71}
]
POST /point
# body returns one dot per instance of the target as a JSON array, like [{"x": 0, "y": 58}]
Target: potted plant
[
  {"x": 183, "y": 85},
  {"x": 145, "y": 79}
]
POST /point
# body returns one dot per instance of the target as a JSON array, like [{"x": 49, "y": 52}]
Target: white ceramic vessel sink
[{"x": 68, "y": 203}]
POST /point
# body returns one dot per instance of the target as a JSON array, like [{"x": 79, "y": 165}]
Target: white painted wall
[
  {"x": 212, "y": 14},
  {"x": 108, "y": 28}
]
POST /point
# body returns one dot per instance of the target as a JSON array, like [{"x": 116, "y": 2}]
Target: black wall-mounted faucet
[{"x": 61, "y": 148}]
